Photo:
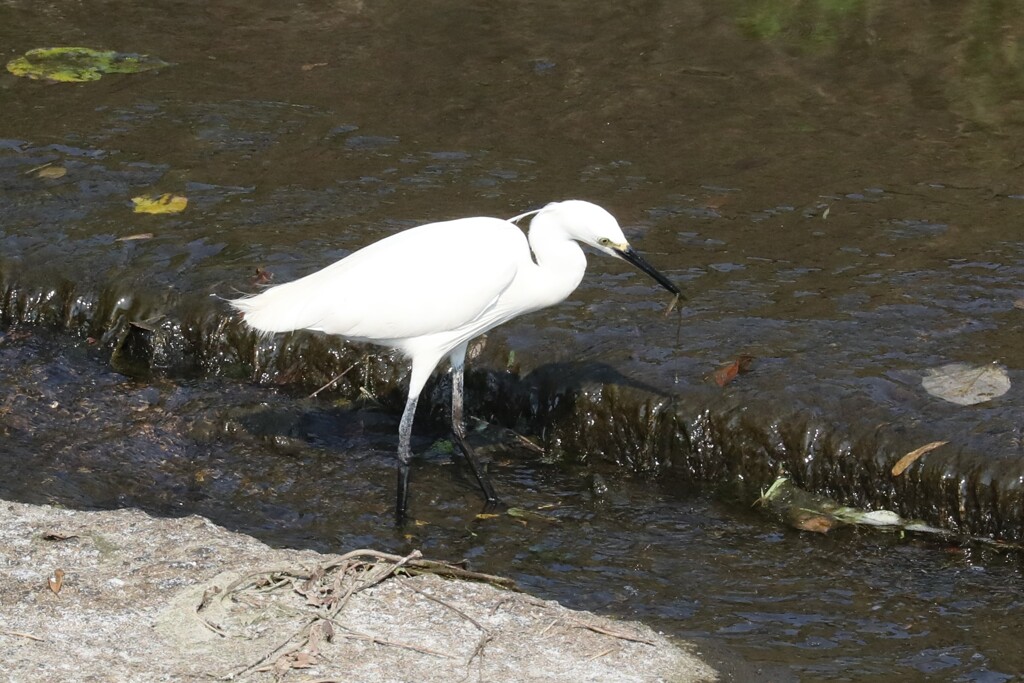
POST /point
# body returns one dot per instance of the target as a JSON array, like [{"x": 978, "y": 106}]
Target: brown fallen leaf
[
  {"x": 728, "y": 373},
  {"x": 57, "y": 536},
  {"x": 819, "y": 524},
  {"x": 320, "y": 632},
  {"x": 56, "y": 582},
  {"x": 301, "y": 660},
  {"x": 17, "y": 335},
  {"x": 907, "y": 460},
  {"x": 716, "y": 201},
  {"x": 262, "y": 277}
]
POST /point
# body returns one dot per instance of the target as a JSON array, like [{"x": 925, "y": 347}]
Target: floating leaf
[
  {"x": 79, "y": 64},
  {"x": 132, "y": 238},
  {"x": 811, "y": 512},
  {"x": 728, "y": 373},
  {"x": 528, "y": 515},
  {"x": 880, "y": 518},
  {"x": 262, "y": 277},
  {"x": 965, "y": 384},
  {"x": 165, "y": 203},
  {"x": 443, "y": 446},
  {"x": 908, "y": 459},
  {"x": 850, "y": 515},
  {"x": 51, "y": 172},
  {"x": 808, "y": 521}
]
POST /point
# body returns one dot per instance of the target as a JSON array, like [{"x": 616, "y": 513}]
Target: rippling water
[{"x": 836, "y": 184}]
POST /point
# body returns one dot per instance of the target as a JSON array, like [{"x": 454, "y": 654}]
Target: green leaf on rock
[{"x": 79, "y": 64}]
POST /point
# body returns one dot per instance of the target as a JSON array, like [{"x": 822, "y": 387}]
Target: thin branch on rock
[
  {"x": 621, "y": 635},
  {"x": 19, "y": 634},
  {"x": 485, "y": 636}
]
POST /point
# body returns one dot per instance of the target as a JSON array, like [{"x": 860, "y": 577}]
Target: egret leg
[
  {"x": 405, "y": 456},
  {"x": 458, "y": 361},
  {"x": 421, "y": 369}
]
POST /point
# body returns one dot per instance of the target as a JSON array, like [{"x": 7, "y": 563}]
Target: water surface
[{"x": 835, "y": 184}]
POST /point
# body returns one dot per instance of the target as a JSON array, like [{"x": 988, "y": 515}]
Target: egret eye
[{"x": 604, "y": 242}]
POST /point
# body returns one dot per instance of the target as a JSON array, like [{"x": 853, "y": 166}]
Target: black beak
[{"x": 629, "y": 254}]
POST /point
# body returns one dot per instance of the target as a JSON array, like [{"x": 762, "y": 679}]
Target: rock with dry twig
[{"x": 145, "y": 599}]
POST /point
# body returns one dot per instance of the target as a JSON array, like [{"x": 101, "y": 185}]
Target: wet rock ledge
[
  {"x": 122, "y": 596},
  {"x": 585, "y": 412}
]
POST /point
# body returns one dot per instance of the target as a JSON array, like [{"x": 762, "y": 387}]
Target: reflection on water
[
  {"x": 837, "y": 183},
  {"x": 966, "y": 59}
]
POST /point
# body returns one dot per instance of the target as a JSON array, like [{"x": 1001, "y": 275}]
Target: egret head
[{"x": 592, "y": 225}]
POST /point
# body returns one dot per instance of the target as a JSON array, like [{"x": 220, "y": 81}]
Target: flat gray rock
[{"x": 144, "y": 599}]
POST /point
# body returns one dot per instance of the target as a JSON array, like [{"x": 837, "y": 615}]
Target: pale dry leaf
[
  {"x": 965, "y": 384},
  {"x": 907, "y": 460},
  {"x": 52, "y": 172},
  {"x": 880, "y": 518}
]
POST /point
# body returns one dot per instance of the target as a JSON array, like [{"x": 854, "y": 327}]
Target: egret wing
[{"x": 433, "y": 278}]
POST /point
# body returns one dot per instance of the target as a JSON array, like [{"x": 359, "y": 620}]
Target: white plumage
[{"x": 429, "y": 290}]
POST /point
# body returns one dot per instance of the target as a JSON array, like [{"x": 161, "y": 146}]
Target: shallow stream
[{"x": 836, "y": 185}]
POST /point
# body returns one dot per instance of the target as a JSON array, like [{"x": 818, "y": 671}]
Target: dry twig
[
  {"x": 19, "y": 634},
  {"x": 287, "y": 575},
  {"x": 343, "y": 373},
  {"x": 485, "y": 635},
  {"x": 621, "y": 635}
]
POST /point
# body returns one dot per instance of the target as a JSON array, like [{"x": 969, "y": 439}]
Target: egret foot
[
  {"x": 478, "y": 471},
  {"x": 402, "y": 501}
]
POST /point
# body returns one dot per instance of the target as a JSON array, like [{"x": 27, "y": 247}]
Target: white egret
[{"x": 429, "y": 290}]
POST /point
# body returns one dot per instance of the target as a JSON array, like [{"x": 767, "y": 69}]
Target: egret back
[{"x": 429, "y": 279}]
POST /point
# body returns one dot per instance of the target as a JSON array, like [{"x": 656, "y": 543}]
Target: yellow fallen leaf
[
  {"x": 487, "y": 515},
  {"x": 165, "y": 203},
  {"x": 903, "y": 463}
]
